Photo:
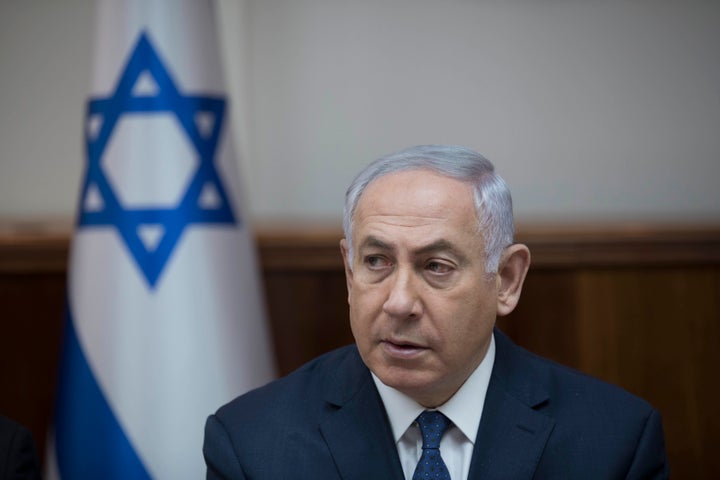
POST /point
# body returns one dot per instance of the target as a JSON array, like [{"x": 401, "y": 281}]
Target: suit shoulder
[
  {"x": 300, "y": 389},
  {"x": 566, "y": 386},
  {"x": 579, "y": 384},
  {"x": 17, "y": 451},
  {"x": 598, "y": 428}
]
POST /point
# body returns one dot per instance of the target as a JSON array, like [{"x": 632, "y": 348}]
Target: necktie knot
[{"x": 432, "y": 426}]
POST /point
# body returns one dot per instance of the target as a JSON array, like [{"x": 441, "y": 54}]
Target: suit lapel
[
  {"x": 512, "y": 433},
  {"x": 356, "y": 429}
]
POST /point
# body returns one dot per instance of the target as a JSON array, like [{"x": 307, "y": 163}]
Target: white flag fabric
[{"x": 165, "y": 318}]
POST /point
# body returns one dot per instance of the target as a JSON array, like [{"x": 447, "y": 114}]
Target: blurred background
[
  {"x": 604, "y": 118},
  {"x": 590, "y": 110}
]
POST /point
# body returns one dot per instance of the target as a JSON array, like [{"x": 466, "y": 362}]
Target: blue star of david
[{"x": 108, "y": 210}]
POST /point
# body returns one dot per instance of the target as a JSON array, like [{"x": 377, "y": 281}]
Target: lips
[{"x": 402, "y": 349}]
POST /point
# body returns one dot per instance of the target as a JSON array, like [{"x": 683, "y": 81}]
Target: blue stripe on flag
[{"x": 90, "y": 441}]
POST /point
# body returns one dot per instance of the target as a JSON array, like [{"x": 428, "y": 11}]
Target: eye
[
  {"x": 376, "y": 262},
  {"x": 438, "y": 268}
]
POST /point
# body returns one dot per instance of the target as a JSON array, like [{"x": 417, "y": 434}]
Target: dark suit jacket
[
  {"x": 18, "y": 458},
  {"x": 540, "y": 420}
]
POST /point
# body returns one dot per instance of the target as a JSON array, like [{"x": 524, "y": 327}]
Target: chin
[{"x": 407, "y": 380}]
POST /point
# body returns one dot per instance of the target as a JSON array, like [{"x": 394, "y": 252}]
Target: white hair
[{"x": 493, "y": 203}]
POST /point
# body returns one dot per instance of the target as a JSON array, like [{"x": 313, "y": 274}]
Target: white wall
[{"x": 590, "y": 110}]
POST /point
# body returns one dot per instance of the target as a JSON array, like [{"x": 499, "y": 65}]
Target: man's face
[{"x": 422, "y": 307}]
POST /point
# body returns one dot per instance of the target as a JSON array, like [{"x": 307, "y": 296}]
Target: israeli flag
[{"x": 165, "y": 318}]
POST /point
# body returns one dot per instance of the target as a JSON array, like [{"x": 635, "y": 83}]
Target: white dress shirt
[{"x": 464, "y": 409}]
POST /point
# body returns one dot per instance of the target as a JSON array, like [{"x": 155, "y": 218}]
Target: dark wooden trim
[
  {"x": 36, "y": 253},
  {"x": 620, "y": 245}
]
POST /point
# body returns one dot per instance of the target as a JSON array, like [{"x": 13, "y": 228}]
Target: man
[{"x": 431, "y": 389}]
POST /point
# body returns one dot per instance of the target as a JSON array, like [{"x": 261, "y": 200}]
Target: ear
[
  {"x": 513, "y": 267},
  {"x": 347, "y": 263}
]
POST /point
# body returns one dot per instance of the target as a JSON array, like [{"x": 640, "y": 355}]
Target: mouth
[{"x": 402, "y": 349}]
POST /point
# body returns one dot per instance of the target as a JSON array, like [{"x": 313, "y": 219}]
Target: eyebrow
[
  {"x": 375, "y": 242},
  {"x": 440, "y": 245}
]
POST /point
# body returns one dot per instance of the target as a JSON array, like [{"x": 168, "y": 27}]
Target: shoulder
[
  {"x": 302, "y": 391},
  {"x": 257, "y": 434},
  {"x": 522, "y": 371},
  {"x": 13, "y": 435},
  {"x": 17, "y": 450},
  {"x": 597, "y": 427}
]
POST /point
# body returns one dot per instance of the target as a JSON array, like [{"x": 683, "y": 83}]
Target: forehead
[
  {"x": 412, "y": 187},
  {"x": 417, "y": 198}
]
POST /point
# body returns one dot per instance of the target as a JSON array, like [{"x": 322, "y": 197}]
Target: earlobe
[{"x": 513, "y": 268}]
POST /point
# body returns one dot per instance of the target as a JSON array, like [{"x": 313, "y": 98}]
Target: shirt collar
[{"x": 464, "y": 408}]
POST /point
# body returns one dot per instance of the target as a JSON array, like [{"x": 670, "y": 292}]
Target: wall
[{"x": 613, "y": 106}]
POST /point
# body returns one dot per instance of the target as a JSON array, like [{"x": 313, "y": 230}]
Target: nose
[{"x": 402, "y": 300}]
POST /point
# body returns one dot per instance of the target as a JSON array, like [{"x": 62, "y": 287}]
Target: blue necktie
[{"x": 431, "y": 466}]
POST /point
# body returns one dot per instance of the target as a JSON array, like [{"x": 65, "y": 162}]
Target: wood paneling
[{"x": 636, "y": 305}]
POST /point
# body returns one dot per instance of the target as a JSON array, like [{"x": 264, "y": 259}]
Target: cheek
[
  {"x": 365, "y": 298},
  {"x": 363, "y": 310},
  {"x": 466, "y": 321}
]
